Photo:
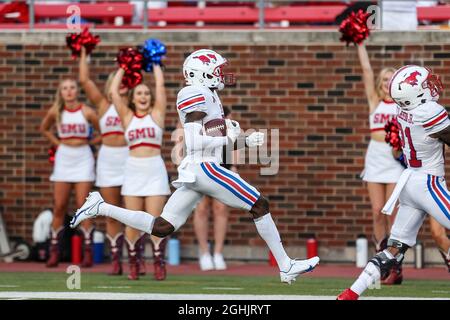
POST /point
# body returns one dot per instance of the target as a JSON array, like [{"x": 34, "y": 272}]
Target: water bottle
[
  {"x": 174, "y": 252},
  {"x": 99, "y": 245},
  {"x": 76, "y": 246},
  {"x": 361, "y": 251},
  {"x": 418, "y": 256},
  {"x": 272, "y": 261},
  {"x": 311, "y": 247}
]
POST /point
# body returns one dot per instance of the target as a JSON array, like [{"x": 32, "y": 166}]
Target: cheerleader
[
  {"x": 74, "y": 161},
  {"x": 381, "y": 169},
  {"x": 146, "y": 183},
  {"x": 111, "y": 156}
]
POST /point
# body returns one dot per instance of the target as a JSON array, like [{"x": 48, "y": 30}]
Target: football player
[
  {"x": 424, "y": 128},
  {"x": 206, "y": 132}
]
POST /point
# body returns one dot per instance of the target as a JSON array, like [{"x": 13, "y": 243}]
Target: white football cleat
[
  {"x": 88, "y": 210},
  {"x": 297, "y": 268}
]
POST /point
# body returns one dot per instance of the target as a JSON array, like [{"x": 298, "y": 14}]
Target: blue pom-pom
[{"x": 153, "y": 50}]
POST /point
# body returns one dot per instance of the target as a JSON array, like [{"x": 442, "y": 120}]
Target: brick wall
[{"x": 312, "y": 92}]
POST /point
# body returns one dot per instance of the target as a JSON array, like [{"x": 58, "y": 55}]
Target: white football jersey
[
  {"x": 197, "y": 98},
  {"x": 423, "y": 153}
]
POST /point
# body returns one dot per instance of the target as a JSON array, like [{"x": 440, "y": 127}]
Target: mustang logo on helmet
[
  {"x": 206, "y": 59},
  {"x": 411, "y": 79}
]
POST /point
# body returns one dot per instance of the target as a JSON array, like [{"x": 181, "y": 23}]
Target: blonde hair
[
  {"x": 108, "y": 83},
  {"x": 58, "y": 103},
  {"x": 379, "y": 81}
]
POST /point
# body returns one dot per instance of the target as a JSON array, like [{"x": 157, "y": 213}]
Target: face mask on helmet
[
  {"x": 434, "y": 84},
  {"x": 222, "y": 77}
]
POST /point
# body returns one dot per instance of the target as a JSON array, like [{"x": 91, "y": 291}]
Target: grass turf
[{"x": 207, "y": 284}]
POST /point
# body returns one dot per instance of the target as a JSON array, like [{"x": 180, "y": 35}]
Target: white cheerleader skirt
[
  {"x": 73, "y": 164},
  {"x": 145, "y": 177},
  {"x": 380, "y": 165},
  {"x": 111, "y": 166}
]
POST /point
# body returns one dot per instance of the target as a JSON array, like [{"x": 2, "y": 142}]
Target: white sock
[
  {"x": 140, "y": 220},
  {"x": 368, "y": 277},
  {"x": 269, "y": 232}
]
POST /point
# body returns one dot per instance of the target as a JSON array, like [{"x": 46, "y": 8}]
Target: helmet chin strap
[{"x": 221, "y": 86}]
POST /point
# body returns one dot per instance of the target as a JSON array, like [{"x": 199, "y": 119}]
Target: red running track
[{"x": 237, "y": 269}]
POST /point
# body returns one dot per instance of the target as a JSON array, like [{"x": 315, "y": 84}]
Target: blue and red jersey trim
[
  {"x": 191, "y": 102},
  {"x": 233, "y": 184},
  {"x": 439, "y": 194}
]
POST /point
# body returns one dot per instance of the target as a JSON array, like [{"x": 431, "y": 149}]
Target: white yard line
[
  {"x": 222, "y": 288},
  {"x": 8, "y": 286},
  {"x": 160, "y": 296},
  {"x": 112, "y": 287}
]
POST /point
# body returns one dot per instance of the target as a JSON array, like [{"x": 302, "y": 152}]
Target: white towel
[
  {"x": 184, "y": 175},
  {"x": 390, "y": 204}
]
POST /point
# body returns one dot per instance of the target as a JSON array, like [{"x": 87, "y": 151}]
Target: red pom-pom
[
  {"x": 130, "y": 60},
  {"x": 392, "y": 137},
  {"x": 51, "y": 154},
  {"x": 354, "y": 28},
  {"x": 131, "y": 79},
  {"x": 77, "y": 40}
]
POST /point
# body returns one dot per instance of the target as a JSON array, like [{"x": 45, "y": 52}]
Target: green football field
[{"x": 206, "y": 284}]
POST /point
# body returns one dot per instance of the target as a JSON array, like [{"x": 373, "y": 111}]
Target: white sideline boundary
[{"x": 73, "y": 295}]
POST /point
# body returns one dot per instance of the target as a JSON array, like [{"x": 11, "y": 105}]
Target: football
[{"x": 216, "y": 128}]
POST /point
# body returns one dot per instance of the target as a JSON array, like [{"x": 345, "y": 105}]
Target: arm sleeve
[
  {"x": 196, "y": 141},
  {"x": 436, "y": 119}
]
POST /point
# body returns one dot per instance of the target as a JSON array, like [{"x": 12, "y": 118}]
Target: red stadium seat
[
  {"x": 314, "y": 14},
  {"x": 207, "y": 15},
  {"x": 438, "y": 13},
  {"x": 105, "y": 12}
]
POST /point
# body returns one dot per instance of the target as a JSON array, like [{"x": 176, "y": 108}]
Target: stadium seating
[{"x": 104, "y": 14}]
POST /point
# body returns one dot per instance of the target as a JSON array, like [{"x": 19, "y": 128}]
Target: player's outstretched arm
[{"x": 443, "y": 135}]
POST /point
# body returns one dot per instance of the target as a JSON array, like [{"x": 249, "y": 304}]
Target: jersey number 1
[{"x": 413, "y": 161}]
